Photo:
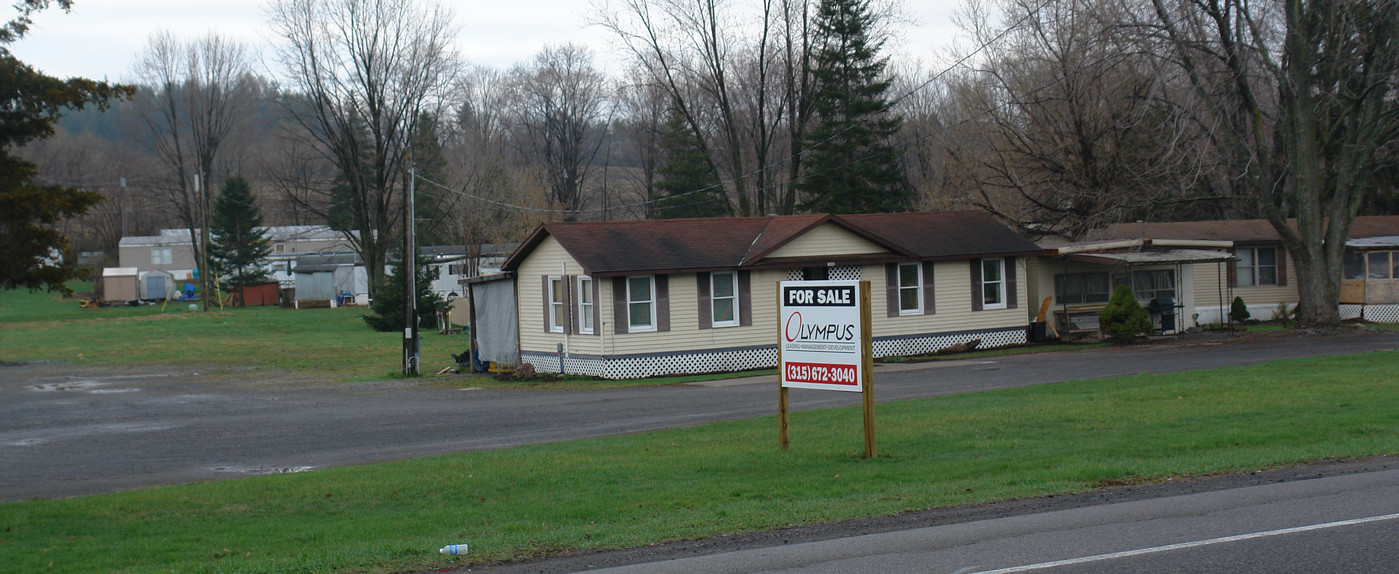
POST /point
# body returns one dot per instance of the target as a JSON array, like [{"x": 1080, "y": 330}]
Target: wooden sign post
[{"x": 825, "y": 343}]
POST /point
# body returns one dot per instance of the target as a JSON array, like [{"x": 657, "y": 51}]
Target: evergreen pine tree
[
  {"x": 850, "y": 165},
  {"x": 433, "y": 208},
  {"x": 687, "y": 186},
  {"x": 388, "y": 298},
  {"x": 238, "y": 248}
]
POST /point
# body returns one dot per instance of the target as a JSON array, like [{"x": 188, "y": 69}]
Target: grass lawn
[
  {"x": 726, "y": 477},
  {"x": 334, "y": 344}
]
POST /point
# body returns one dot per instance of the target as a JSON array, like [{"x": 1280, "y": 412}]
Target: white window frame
[
  {"x": 714, "y": 298},
  {"x": 650, "y": 300},
  {"x": 162, "y": 255},
  {"x": 558, "y": 288},
  {"x": 917, "y": 287},
  {"x": 587, "y": 307},
  {"x": 999, "y": 283},
  {"x": 1254, "y": 266}
]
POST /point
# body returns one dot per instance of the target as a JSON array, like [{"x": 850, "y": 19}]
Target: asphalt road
[
  {"x": 1343, "y": 523},
  {"x": 69, "y": 431}
]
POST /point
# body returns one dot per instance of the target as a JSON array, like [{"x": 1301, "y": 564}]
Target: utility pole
[
  {"x": 203, "y": 191},
  {"x": 410, "y": 272},
  {"x": 123, "y": 206}
]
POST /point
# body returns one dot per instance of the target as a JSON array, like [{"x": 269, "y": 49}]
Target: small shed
[
  {"x": 330, "y": 280},
  {"x": 158, "y": 284},
  {"x": 120, "y": 284},
  {"x": 261, "y": 295}
]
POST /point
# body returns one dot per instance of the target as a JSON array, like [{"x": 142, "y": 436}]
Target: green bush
[
  {"x": 1238, "y": 310},
  {"x": 1123, "y": 318}
]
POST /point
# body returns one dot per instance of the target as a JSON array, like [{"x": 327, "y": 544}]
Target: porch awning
[
  {"x": 1386, "y": 242},
  {"x": 1167, "y": 257}
]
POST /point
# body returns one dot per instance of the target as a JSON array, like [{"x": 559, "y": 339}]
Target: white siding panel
[
  {"x": 952, "y": 284},
  {"x": 828, "y": 239},
  {"x": 549, "y": 258}
]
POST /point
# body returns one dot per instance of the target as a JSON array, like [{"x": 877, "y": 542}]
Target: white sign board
[{"x": 820, "y": 339}]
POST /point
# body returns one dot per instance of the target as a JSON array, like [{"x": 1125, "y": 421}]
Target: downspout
[{"x": 568, "y": 308}]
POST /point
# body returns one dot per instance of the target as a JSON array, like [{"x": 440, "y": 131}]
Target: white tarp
[{"x": 495, "y": 329}]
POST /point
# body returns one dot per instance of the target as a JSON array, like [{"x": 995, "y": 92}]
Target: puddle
[
  {"x": 82, "y": 385},
  {"x": 257, "y": 470},
  {"x": 79, "y": 385}
]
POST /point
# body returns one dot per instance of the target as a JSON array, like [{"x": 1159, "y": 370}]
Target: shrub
[
  {"x": 1123, "y": 318},
  {"x": 1238, "y": 311}
]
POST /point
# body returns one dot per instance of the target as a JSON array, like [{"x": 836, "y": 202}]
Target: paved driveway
[{"x": 68, "y": 431}]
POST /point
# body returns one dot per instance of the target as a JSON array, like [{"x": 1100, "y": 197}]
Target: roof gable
[{"x": 826, "y": 239}]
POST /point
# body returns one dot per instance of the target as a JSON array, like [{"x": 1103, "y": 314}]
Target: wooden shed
[{"x": 120, "y": 284}]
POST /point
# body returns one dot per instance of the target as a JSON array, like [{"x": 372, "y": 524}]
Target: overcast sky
[{"x": 101, "y": 38}]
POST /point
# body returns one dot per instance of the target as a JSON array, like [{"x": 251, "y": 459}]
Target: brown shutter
[
  {"x": 597, "y": 309},
  {"x": 570, "y": 309},
  {"x": 619, "y": 306},
  {"x": 976, "y": 284},
  {"x": 745, "y": 299},
  {"x": 1233, "y": 270},
  {"x": 706, "y": 315},
  {"x": 545, "y": 281},
  {"x": 1012, "y": 289},
  {"x": 891, "y": 288},
  {"x": 662, "y": 303},
  {"x": 929, "y": 302},
  {"x": 1282, "y": 265}
]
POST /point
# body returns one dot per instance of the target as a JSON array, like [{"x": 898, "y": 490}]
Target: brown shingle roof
[
  {"x": 1237, "y": 230},
  {"x": 621, "y": 247},
  {"x": 946, "y": 234}
]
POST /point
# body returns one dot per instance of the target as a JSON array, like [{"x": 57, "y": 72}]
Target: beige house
[
  {"x": 1262, "y": 273},
  {"x": 643, "y": 298}
]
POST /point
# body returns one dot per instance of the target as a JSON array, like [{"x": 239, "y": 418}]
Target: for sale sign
[{"x": 821, "y": 339}]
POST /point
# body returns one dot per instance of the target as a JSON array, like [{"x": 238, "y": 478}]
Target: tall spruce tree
[
  {"x": 850, "y": 165},
  {"x": 239, "y": 247},
  {"x": 687, "y": 185}
]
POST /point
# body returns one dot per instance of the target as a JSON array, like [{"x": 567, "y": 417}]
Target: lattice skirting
[
  {"x": 930, "y": 343},
  {"x": 1349, "y": 311},
  {"x": 743, "y": 359},
  {"x": 1381, "y": 313},
  {"x": 642, "y": 366}
]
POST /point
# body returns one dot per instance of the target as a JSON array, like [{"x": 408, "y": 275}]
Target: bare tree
[
  {"x": 365, "y": 72},
  {"x": 197, "y": 92},
  {"x": 697, "y": 51},
  {"x": 558, "y": 117},
  {"x": 498, "y": 201},
  {"x": 1068, "y": 128},
  {"x": 642, "y": 110},
  {"x": 1303, "y": 94}
]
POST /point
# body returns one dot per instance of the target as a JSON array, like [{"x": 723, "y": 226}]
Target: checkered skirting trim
[{"x": 747, "y": 358}]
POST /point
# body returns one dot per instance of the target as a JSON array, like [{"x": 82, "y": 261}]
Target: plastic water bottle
[{"x": 453, "y": 549}]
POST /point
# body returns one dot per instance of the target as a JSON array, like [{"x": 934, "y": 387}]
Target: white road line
[{"x": 1169, "y": 547}]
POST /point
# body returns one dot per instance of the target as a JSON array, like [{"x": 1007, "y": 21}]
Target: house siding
[
  {"x": 1211, "y": 279},
  {"x": 827, "y": 239},
  {"x": 686, "y": 348}
]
